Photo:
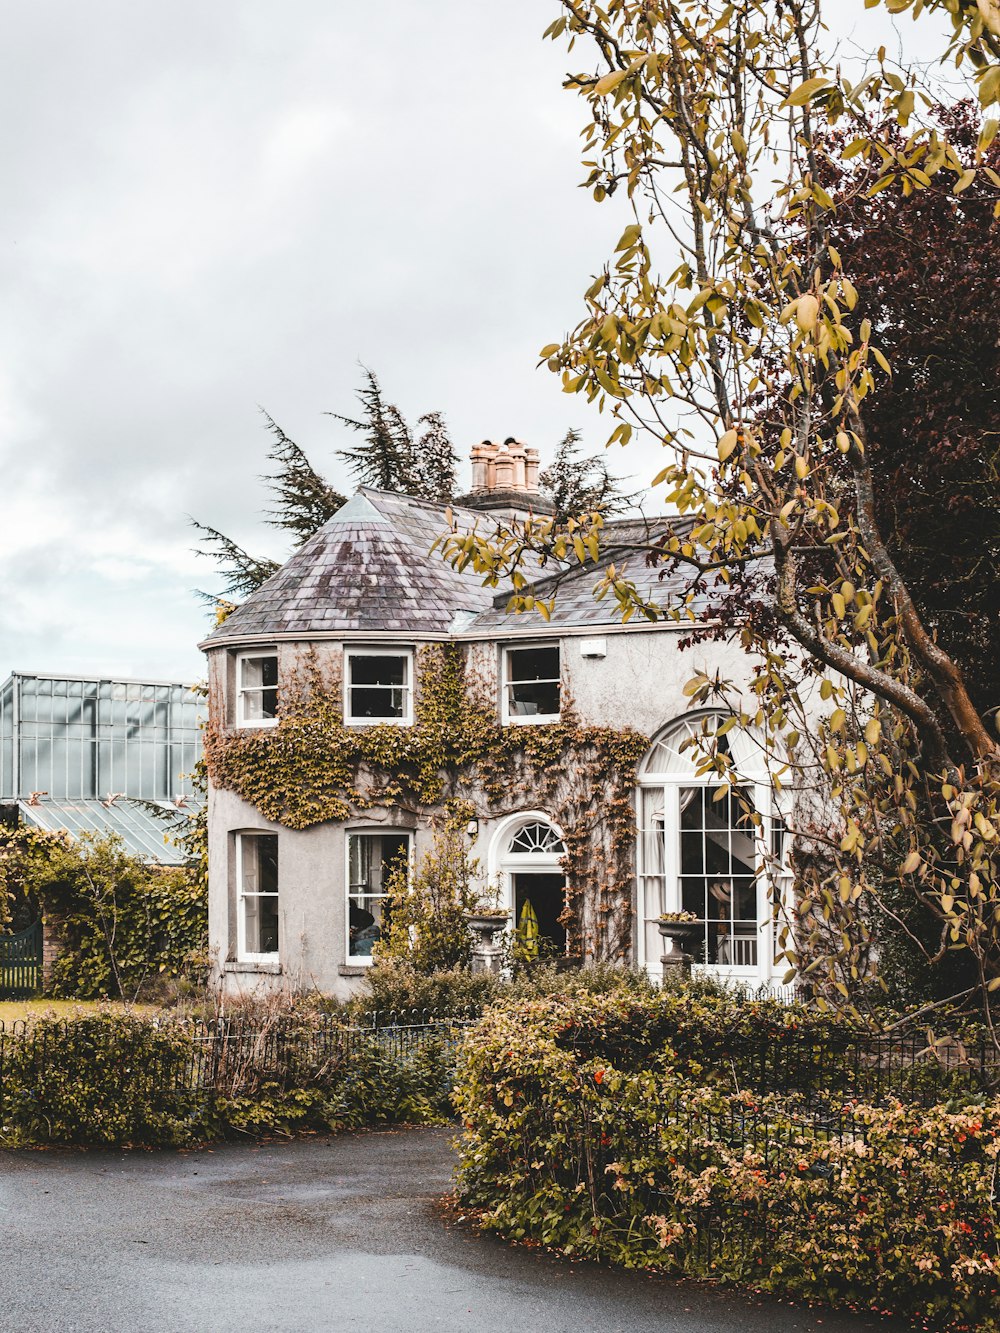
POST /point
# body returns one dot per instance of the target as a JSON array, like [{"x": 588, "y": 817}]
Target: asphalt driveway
[{"x": 317, "y": 1234}]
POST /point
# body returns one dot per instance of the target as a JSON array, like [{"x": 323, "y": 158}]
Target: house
[
  {"x": 369, "y": 690},
  {"x": 99, "y": 755}
]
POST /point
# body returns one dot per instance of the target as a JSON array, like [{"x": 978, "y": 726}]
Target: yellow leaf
[
  {"x": 610, "y": 82},
  {"x": 802, "y": 94},
  {"x": 806, "y": 312},
  {"x": 964, "y": 181},
  {"x": 727, "y": 444},
  {"x": 910, "y": 864}
]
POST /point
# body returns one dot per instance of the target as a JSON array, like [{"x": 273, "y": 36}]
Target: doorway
[{"x": 539, "y": 898}]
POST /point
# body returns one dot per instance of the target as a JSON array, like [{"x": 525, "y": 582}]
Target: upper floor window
[
  {"x": 379, "y": 687},
  {"x": 531, "y": 683},
  {"x": 257, "y": 689}
]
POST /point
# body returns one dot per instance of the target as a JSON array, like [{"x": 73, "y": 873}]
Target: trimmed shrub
[
  {"x": 115, "y": 1078},
  {"x": 593, "y": 1127}
]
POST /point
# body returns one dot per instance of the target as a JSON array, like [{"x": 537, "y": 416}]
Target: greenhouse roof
[{"x": 146, "y": 834}]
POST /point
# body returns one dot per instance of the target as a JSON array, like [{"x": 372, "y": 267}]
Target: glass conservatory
[{"x": 85, "y": 754}]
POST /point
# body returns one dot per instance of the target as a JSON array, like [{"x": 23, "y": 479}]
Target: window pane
[
  {"x": 372, "y": 859},
  {"x": 533, "y": 664},
  {"x": 378, "y": 702},
  {"x": 718, "y": 884},
  {"x": 378, "y": 670},
  {"x": 533, "y": 682},
  {"x": 259, "y": 892},
  {"x": 258, "y": 687},
  {"x": 261, "y": 924},
  {"x": 533, "y": 700}
]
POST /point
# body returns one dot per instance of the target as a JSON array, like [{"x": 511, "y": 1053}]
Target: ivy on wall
[{"x": 311, "y": 769}]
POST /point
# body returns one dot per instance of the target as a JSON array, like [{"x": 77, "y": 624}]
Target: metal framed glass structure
[{"x": 72, "y": 747}]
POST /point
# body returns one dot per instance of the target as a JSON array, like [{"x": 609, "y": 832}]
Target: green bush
[
  {"x": 395, "y": 984},
  {"x": 425, "y": 909},
  {"x": 114, "y": 1078},
  {"x": 98, "y": 1079},
  {"x": 589, "y": 1130}
]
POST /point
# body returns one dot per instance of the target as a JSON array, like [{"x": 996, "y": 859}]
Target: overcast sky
[{"x": 211, "y": 206}]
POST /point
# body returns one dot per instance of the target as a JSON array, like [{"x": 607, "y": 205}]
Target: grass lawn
[{"x": 13, "y": 1010}]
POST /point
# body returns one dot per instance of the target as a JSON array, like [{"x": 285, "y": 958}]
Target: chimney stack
[{"x": 505, "y": 479}]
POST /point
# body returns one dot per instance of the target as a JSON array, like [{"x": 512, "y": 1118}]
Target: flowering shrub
[{"x": 581, "y": 1134}]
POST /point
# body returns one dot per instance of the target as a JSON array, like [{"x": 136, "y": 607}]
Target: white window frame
[
  {"x": 379, "y": 831},
  {"x": 243, "y": 954},
  {"x": 519, "y": 719},
  {"x": 252, "y": 654},
  {"x": 407, "y": 719},
  {"x": 751, "y": 779}
]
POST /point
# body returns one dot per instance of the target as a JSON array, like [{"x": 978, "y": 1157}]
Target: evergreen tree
[
  {"x": 389, "y": 459},
  {"x": 436, "y": 460},
  {"x": 386, "y": 458},
  {"x": 242, "y": 572},
  {"x": 578, "y": 483},
  {"x": 304, "y": 501}
]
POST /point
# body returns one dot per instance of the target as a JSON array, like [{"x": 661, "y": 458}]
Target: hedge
[
  {"x": 581, "y": 1136},
  {"x": 112, "y": 1078}
]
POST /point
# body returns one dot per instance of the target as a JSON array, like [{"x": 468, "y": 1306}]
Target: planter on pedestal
[
  {"x": 676, "y": 961},
  {"x": 485, "y": 927}
]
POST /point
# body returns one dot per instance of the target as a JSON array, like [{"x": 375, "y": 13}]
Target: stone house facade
[{"x": 330, "y": 732}]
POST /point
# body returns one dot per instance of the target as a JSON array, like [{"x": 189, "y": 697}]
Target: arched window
[{"x": 702, "y": 846}]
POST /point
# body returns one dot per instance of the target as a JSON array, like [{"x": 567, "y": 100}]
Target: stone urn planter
[
  {"x": 680, "y": 934},
  {"x": 485, "y": 927}
]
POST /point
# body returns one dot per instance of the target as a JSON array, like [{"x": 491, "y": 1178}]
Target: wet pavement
[{"x": 317, "y": 1234}]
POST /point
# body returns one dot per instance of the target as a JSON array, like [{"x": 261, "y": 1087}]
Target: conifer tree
[
  {"x": 242, "y": 573},
  {"x": 578, "y": 483},
  {"x": 385, "y": 459},
  {"x": 304, "y": 500},
  {"x": 436, "y": 460}
]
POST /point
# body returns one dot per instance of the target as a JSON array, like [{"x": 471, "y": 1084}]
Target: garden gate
[{"x": 21, "y": 963}]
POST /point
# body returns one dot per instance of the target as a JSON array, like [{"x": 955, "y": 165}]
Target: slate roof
[
  {"x": 575, "y": 603},
  {"x": 370, "y": 569}
]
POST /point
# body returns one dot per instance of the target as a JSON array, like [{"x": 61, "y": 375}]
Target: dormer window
[
  {"x": 531, "y": 684},
  {"x": 379, "y": 687},
  {"x": 257, "y": 689}
]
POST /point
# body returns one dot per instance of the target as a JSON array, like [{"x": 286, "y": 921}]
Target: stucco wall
[{"x": 638, "y": 683}]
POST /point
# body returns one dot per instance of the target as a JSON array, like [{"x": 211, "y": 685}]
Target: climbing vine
[{"x": 311, "y": 768}]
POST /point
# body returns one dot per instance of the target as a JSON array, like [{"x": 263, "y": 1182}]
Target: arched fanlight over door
[{"x": 536, "y": 839}]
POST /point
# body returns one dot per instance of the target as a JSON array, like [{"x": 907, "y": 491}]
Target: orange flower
[{"x": 598, "y": 1075}]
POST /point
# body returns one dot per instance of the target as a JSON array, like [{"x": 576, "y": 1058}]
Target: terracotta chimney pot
[
  {"x": 503, "y": 468},
  {"x": 531, "y": 466},
  {"x": 517, "y": 454}
]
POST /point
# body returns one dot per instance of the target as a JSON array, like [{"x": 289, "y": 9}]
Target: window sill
[
  {"x": 255, "y": 723},
  {"x": 354, "y": 969},
  {"x": 543, "y": 720},
  {"x": 378, "y": 721},
  {"x": 249, "y": 965}
]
